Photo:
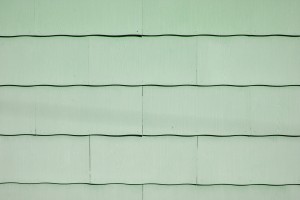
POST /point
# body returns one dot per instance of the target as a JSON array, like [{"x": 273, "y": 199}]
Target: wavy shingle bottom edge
[
  {"x": 162, "y": 184},
  {"x": 145, "y": 135},
  {"x": 155, "y": 35}
]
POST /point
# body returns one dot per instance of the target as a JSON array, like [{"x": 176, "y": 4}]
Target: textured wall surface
[{"x": 149, "y": 99}]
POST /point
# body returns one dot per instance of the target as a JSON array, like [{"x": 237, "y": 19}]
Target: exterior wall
[{"x": 97, "y": 103}]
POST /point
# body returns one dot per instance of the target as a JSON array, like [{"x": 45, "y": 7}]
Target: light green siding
[
  {"x": 163, "y": 60},
  {"x": 31, "y": 159},
  {"x": 182, "y": 137},
  {"x": 73, "y": 192},
  {"x": 220, "y": 193},
  {"x": 221, "y": 17},
  {"x": 221, "y": 111}
]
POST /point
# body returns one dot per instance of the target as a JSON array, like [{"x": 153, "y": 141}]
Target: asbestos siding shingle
[
  {"x": 154, "y": 60},
  {"x": 17, "y": 107},
  {"x": 75, "y": 111},
  {"x": 160, "y": 111},
  {"x": 31, "y": 159},
  {"x": 77, "y": 17},
  {"x": 16, "y": 17},
  {"x": 98, "y": 60},
  {"x": 143, "y": 60},
  {"x": 149, "y": 17},
  {"x": 221, "y": 111},
  {"x": 220, "y": 192},
  {"x": 43, "y": 61},
  {"x": 242, "y": 160},
  {"x": 168, "y": 160},
  {"x": 72, "y": 192},
  {"x": 248, "y": 60},
  {"x": 221, "y": 17}
]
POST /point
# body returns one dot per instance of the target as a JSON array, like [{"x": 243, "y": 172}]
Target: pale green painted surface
[
  {"x": 243, "y": 160},
  {"x": 164, "y": 60},
  {"x": 221, "y": 193},
  {"x": 221, "y": 111},
  {"x": 43, "y": 60},
  {"x": 123, "y": 111},
  {"x": 143, "y": 160},
  {"x": 44, "y": 159},
  {"x": 82, "y": 192},
  {"x": 17, "y": 107},
  {"x": 239, "y": 60},
  {"x": 16, "y": 17},
  {"x": 118, "y": 110},
  {"x": 81, "y": 111},
  {"x": 149, "y": 17},
  {"x": 74, "y": 192},
  {"x": 70, "y": 17},
  {"x": 98, "y": 60},
  {"x": 137, "y": 160},
  {"x": 142, "y": 60},
  {"x": 221, "y": 17}
]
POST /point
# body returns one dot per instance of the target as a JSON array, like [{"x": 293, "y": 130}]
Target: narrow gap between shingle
[
  {"x": 142, "y": 192},
  {"x": 88, "y": 60},
  {"x": 90, "y": 166},
  {"x": 196, "y": 62},
  {"x": 142, "y": 17},
  {"x": 142, "y": 110},
  {"x": 197, "y": 162},
  {"x": 34, "y": 16}
]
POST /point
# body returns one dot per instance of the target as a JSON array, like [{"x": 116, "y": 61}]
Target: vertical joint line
[
  {"x": 196, "y": 61},
  {"x": 90, "y": 158},
  {"x": 35, "y": 118},
  {"x": 88, "y": 60},
  {"x": 250, "y": 110},
  {"x": 142, "y": 17},
  {"x": 143, "y": 192},
  {"x": 197, "y": 162},
  {"x": 34, "y": 16},
  {"x": 142, "y": 110}
]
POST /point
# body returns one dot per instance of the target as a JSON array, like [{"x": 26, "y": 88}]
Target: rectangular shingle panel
[
  {"x": 115, "y": 60},
  {"x": 72, "y": 110},
  {"x": 70, "y": 192},
  {"x": 59, "y": 159},
  {"x": 46, "y": 17},
  {"x": 58, "y": 60},
  {"x": 17, "y": 111},
  {"x": 98, "y": 60},
  {"x": 221, "y": 193},
  {"x": 143, "y": 160},
  {"x": 162, "y": 60},
  {"x": 17, "y": 17},
  {"x": 192, "y": 110},
  {"x": 221, "y": 17},
  {"x": 181, "y": 110},
  {"x": 242, "y": 160},
  {"x": 83, "y": 110},
  {"x": 275, "y": 110},
  {"x": 243, "y": 61},
  {"x": 169, "y": 60},
  {"x": 221, "y": 111}
]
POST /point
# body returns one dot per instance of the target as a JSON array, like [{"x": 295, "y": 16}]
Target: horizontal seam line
[
  {"x": 154, "y": 35},
  {"x": 137, "y": 135},
  {"x": 148, "y": 85},
  {"x": 163, "y": 184}
]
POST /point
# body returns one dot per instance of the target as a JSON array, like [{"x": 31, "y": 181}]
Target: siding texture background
[{"x": 130, "y": 138}]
